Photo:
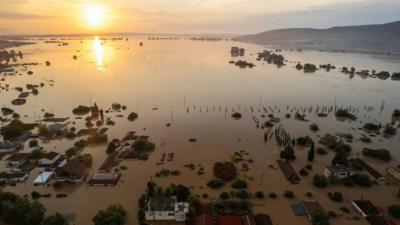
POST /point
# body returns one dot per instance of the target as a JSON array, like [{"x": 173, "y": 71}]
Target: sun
[{"x": 95, "y": 14}]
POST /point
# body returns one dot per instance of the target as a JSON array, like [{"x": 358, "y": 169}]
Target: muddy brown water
[{"x": 177, "y": 75}]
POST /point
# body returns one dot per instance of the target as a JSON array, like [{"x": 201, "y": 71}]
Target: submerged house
[
  {"x": 6, "y": 147},
  {"x": 339, "y": 172},
  {"x": 17, "y": 159},
  {"x": 12, "y": 177},
  {"x": 51, "y": 159},
  {"x": 370, "y": 212},
  {"x": 166, "y": 209},
  {"x": 70, "y": 171}
]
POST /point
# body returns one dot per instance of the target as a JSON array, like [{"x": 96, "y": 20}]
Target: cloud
[{"x": 21, "y": 16}]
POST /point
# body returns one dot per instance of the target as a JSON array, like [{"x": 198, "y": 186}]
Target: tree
[
  {"x": 311, "y": 153},
  {"x": 113, "y": 215},
  {"x": 320, "y": 181},
  {"x": 288, "y": 153},
  {"x": 340, "y": 158},
  {"x": 56, "y": 219},
  {"x": 22, "y": 212},
  {"x": 394, "y": 211},
  {"x": 239, "y": 184}
]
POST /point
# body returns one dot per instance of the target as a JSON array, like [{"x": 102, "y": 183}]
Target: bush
[
  {"x": 33, "y": 143},
  {"x": 14, "y": 129},
  {"x": 344, "y": 209},
  {"x": 225, "y": 170},
  {"x": 236, "y": 115},
  {"x": 259, "y": 195},
  {"x": 389, "y": 130},
  {"x": 85, "y": 159},
  {"x": 381, "y": 154},
  {"x": 242, "y": 194},
  {"x": 288, "y": 153},
  {"x": 394, "y": 210},
  {"x": 56, "y": 219},
  {"x": 320, "y": 181},
  {"x": 361, "y": 180},
  {"x": 224, "y": 195},
  {"x": 143, "y": 145},
  {"x": 303, "y": 172},
  {"x": 97, "y": 138},
  {"x": 336, "y": 196},
  {"x": 239, "y": 184},
  {"x": 345, "y": 114},
  {"x": 314, "y": 127},
  {"x": 215, "y": 183},
  {"x": 132, "y": 116},
  {"x": 304, "y": 141},
  {"x": 372, "y": 127},
  {"x": 35, "y": 195},
  {"x": 114, "y": 215},
  {"x": 288, "y": 194},
  {"x": 272, "y": 195},
  {"x": 321, "y": 151}
]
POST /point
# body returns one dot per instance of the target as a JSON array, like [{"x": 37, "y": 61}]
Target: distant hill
[{"x": 377, "y": 38}]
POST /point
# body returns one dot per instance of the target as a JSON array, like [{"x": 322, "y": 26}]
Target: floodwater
[{"x": 195, "y": 89}]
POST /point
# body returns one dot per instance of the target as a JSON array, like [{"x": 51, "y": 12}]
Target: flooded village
[{"x": 197, "y": 130}]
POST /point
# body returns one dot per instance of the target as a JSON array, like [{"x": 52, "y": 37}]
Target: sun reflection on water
[{"x": 98, "y": 50}]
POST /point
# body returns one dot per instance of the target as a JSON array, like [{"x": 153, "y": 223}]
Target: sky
[{"x": 188, "y": 16}]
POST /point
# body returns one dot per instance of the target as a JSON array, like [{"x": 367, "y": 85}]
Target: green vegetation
[
  {"x": 15, "y": 210},
  {"x": 113, "y": 215},
  {"x": 143, "y": 145},
  {"x": 132, "y": 116},
  {"x": 394, "y": 210},
  {"x": 314, "y": 127},
  {"x": 259, "y": 195},
  {"x": 14, "y": 129},
  {"x": 288, "y": 194},
  {"x": 225, "y": 171},
  {"x": 381, "y": 154},
  {"x": 340, "y": 158},
  {"x": 361, "y": 180},
  {"x": 239, "y": 184},
  {"x": 288, "y": 153},
  {"x": 215, "y": 183},
  {"x": 344, "y": 113},
  {"x": 224, "y": 195},
  {"x": 336, "y": 196},
  {"x": 320, "y": 181},
  {"x": 97, "y": 138},
  {"x": 242, "y": 194},
  {"x": 236, "y": 115},
  {"x": 304, "y": 141},
  {"x": 311, "y": 153},
  {"x": 372, "y": 127},
  {"x": 81, "y": 110},
  {"x": 309, "y": 68},
  {"x": 56, "y": 219},
  {"x": 389, "y": 130},
  {"x": 272, "y": 195},
  {"x": 85, "y": 159}
]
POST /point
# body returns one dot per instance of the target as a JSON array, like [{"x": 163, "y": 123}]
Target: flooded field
[{"x": 184, "y": 89}]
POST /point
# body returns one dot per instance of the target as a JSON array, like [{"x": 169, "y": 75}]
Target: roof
[
  {"x": 72, "y": 167},
  {"x": 19, "y": 156},
  {"x": 338, "y": 168},
  {"x": 50, "y": 155},
  {"x": 313, "y": 209},
  {"x": 366, "y": 207},
  {"x": 161, "y": 204},
  {"x": 104, "y": 179},
  {"x": 376, "y": 220},
  {"x": 263, "y": 219},
  {"x": 230, "y": 220},
  {"x": 43, "y": 177},
  {"x": 6, "y": 175}
]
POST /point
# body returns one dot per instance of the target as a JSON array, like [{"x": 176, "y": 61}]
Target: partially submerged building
[
  {"x": 70, "y": 171},
  {"x": 370, "y": 212},
  {"x": 13, "y": 177},
  {"x": 104, "y": 179},
  {"x": 339, "y": 172},
  {"x": 166, "y": 209}
]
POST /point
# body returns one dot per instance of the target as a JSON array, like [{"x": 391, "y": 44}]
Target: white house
[
  {"x": 340, "y": 172},
  {"x": 164, "y": 208}
]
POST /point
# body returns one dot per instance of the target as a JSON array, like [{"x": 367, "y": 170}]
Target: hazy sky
[{"x": 191, "y": 16}]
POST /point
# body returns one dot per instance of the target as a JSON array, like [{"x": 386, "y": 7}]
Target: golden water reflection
[{"x": 98, "y": 51}]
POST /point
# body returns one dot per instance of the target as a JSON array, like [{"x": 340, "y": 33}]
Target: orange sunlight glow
[{"x": 95, "y": 15}]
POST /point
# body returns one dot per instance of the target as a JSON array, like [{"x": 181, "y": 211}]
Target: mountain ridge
[{"x": 358, "y": 38}]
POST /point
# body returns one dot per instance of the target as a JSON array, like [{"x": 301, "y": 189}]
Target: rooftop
[{"x": 366, "y": 207}]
